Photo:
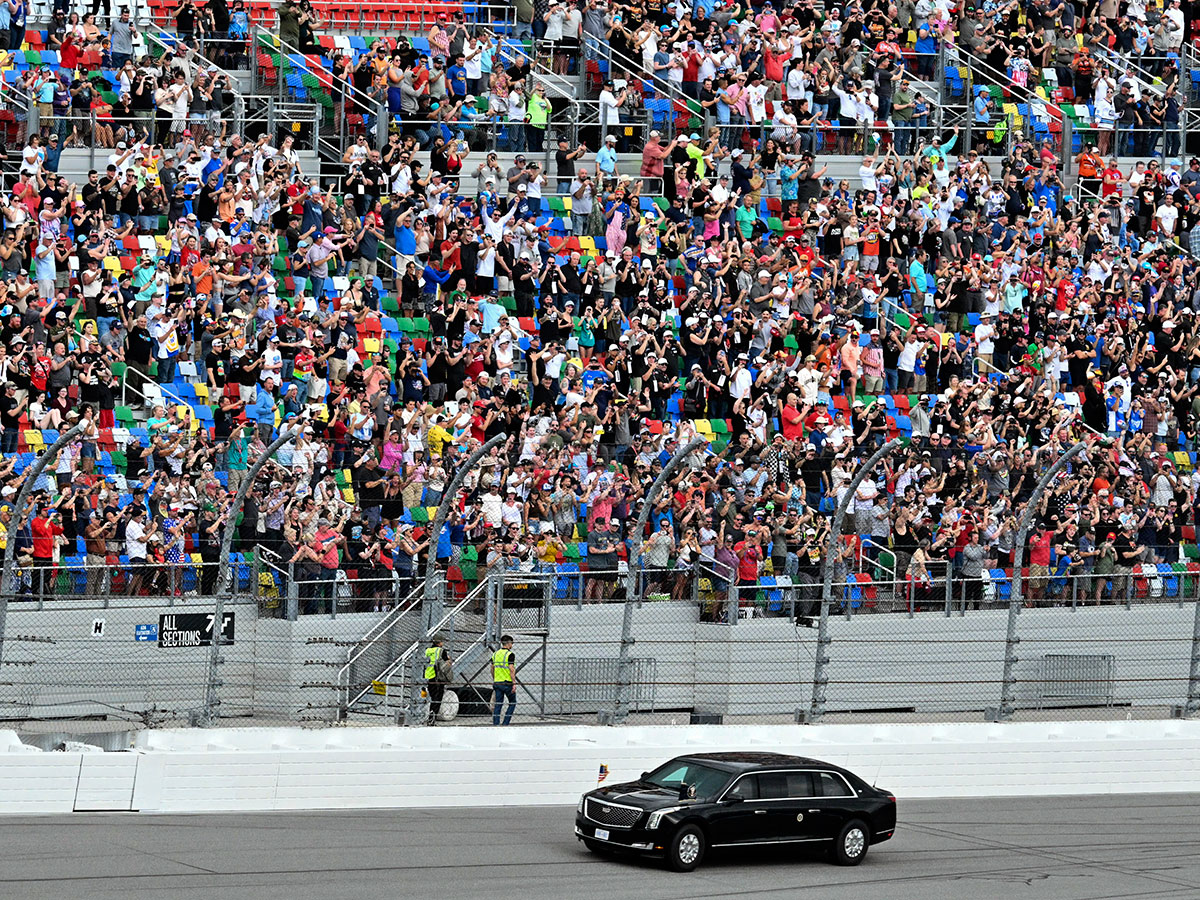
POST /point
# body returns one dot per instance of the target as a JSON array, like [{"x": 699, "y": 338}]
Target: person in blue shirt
[
  {"x": 53, "y": 153},
  {"x": 432, "y": 279},
  {"x": 456, "y": 77},
  {"x": 606, "y": 158},
  {"x": 264, "y": 408}
]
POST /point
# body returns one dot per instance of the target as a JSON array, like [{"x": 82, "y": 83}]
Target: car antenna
[{"x": 878, "y": 771}]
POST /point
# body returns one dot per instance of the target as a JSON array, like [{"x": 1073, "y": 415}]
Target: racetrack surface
[{"x": 1090, "y": 848}]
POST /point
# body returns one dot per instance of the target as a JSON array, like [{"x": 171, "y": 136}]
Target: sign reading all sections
[{"x": 192, "y": 629}]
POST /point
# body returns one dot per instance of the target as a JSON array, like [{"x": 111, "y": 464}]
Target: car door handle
[
  {"x": 760, "y": 812},
  {"x": 814, "y": 810}
]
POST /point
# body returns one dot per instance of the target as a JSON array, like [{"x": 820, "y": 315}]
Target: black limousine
[{"x": 695, "y": 803}]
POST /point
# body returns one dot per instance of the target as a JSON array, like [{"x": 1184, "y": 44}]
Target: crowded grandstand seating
[{"x": 708, "y": 278}]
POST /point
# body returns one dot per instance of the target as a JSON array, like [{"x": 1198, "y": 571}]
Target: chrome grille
[{"x": 612, "y": 814}]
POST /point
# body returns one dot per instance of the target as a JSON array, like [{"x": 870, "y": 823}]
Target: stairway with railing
[
  {"x": 1018, "y": 107},
  {"x": 396, "y": 690},
  {"x": 388, "y": 639}
]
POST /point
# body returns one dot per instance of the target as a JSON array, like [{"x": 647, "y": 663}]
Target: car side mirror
[
  {"x": 735, "y": 799},
  {"x": 645, "y": 775}
]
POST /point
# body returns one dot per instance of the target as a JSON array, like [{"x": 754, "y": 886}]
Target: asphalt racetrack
[{"x": 1127, "y": 847}]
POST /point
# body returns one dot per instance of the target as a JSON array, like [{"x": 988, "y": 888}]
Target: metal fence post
[
  {"x": 20, "y": 514},
  {"x": 820, "y": 665},
  {"x": 223, "y": 584},
  {"x": 293, "y": 593},
  {"x": 448, "y": 499},
  {"x": 382, "y": 121},
  {"x": 624, "y": 665},
  {"x": 1192, "y": 708},
  {"x": 1008, "y": 683}
]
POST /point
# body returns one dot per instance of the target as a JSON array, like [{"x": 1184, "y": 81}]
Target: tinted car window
[
  {"x": 773, "y": 786},
  {"x": 746, "y": 788},
  {"x": 799, "y": 784},
  {"x": 706, "y": 781},
  {"x": 830, "y": 785}
]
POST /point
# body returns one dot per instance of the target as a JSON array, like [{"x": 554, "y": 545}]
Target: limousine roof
[{"x": 742, "y": 761}]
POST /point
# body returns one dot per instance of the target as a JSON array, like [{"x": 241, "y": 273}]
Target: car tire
[
  {"x": 852, "y": 842},
  {"x": 686, "y": 849},
  {"x": 598, "y": 848}
]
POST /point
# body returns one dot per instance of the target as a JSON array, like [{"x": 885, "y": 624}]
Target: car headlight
[
  {"x": 579, "y": 806},
  {"x": 657, "y": 816}
]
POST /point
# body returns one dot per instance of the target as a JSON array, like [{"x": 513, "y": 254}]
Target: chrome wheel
[
  {"x": 689, "y": 849},
  {"x": 854, "y": 843}
]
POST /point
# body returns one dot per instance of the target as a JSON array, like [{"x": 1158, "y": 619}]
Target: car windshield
[{"x": 707, "y": 781}]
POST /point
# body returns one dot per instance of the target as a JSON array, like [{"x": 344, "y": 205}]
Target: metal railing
[
  {"x": 388, "y": 638},
  {"x": 332, "y": 129},
  {"x": 114, "y": 582},
  {"x": 153, "y": 393},
  {"x": 395, "y": 691},
  {"x": 194, "y": 58}
]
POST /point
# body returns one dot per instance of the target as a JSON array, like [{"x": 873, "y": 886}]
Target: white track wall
[{"x": 295, "y": 769}]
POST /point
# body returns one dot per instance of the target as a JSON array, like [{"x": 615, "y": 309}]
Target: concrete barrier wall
[
  {"x": 927, "y": 663},
  {"x": 281, "y": 671},
  {"x": 273, "y": 769}
]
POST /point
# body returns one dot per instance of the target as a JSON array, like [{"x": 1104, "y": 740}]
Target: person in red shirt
[
  {"x": 45, "y": 528},
  {"x": 1039, "y": 563},
  {"x": 792, "y": 418},
  {"x": 749, "y": 556}
]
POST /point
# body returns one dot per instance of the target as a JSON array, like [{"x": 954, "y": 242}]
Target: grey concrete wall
[
  {"x": 929, "y": 663},
  {"x": 280, "y": 671}
]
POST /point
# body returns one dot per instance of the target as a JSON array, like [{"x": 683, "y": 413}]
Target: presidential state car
[{"x": 701, "y": 802}]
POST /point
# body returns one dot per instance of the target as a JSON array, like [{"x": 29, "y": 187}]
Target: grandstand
[{"x": 800, "y": 236}]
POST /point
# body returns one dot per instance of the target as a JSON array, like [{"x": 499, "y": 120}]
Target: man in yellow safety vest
[
  {"x": 504, "y": 680},
  {"x": 437, "y": 674}
]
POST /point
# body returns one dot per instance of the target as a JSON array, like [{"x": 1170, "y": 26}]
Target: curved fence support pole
[
  {"x": 624, "y": 666},
  {"x": 214, "y": 659},
  {"x": 431, "y": 607},
  {"x": 448, "y": 498},
  {"x": 1008, "y": 683},
  {"x": 1191, "y": 709},
  {"x": 20, "y": 513},
  {"x": 817, "y": 707}
]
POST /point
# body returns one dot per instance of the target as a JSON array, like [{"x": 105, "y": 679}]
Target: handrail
[
  {"x": 169, "y": 41},
  {"x": 863, "y": 544},
  {"x": 977, "y": 364},
  {"x": 362, "y": 102},
  {"x": 999, "y": 78},
  {"x": 401, "y": 663},
  {"x": 163, "y": 391},
  {"x": 661, "y": 84},
  {"x": 409, "y": 604},
  {"x": 1119, "y": 64},
  {"x": 538, "y": 70}
]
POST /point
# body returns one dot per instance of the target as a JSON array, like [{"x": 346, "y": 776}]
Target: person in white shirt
[
  {"x": 1175, "y": 15},
  {"x": 611, "y": 101},
  {"x": 272, "y": 361},
  {"x": 739, "y": 387},
  {"x": 985, "y": 332},
  {"x": 756, "y": 104},
  {"x": 1167, "y": 214}
]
